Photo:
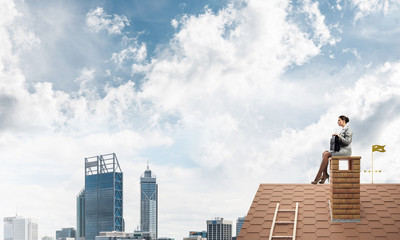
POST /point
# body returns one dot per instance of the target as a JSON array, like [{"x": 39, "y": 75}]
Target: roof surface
[{"x": 380, "y": 213}]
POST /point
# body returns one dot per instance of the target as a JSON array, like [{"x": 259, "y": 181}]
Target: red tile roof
[{"x": 380, "y": 213}]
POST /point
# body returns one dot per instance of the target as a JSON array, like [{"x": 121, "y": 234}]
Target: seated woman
[{"x": 345, "y": 137}]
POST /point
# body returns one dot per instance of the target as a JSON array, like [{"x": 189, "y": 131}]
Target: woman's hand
[{"x": 335, "y": 134}]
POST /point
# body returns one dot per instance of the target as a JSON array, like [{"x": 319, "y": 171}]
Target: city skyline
[
  {"x": 94, "y": 171},
  {"x": 218, "y": 96}
]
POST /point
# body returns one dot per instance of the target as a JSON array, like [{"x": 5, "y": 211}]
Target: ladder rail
[
  {"x": 273, "y": 221},
  {"x": 295, "y": 221}
]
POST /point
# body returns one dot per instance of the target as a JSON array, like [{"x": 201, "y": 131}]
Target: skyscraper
[
  {"x": 239, "y": 224},
  {"x": 103, "y": 195},
  {"x": 80, "y": 215},
  {"x": 65, "y": 233},
  {"x": 219, "y": 229},
  {"x": 149, "y": 203},
  {"x": 19, "y": 228}
]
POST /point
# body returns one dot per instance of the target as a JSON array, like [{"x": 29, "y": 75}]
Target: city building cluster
[{"x": 100, "y": 210}]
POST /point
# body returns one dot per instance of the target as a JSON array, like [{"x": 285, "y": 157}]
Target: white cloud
[
  {"x": 85, "y": 79},
  {"x": 136, "y": 53},
  {"x": 98, "y": 20},
  {"x": 367, "y": 7},
  {"x": 23, "y": 38},
  {"x": 174, "y": 23},
  {"x": 352, "y": 51},
  {"x": 322, "y": 35},
  {"x": 228, "y": 54},
  {"x": 338, "y": 6}
]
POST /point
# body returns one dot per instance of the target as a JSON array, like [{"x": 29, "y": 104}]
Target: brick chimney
[{"x": 345, "y": 189}]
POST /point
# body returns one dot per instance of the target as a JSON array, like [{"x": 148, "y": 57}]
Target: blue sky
[{"x": 219, "y": 96}]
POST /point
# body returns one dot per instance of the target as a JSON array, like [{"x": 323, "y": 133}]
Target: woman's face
[{"x": 341, "y": 122}]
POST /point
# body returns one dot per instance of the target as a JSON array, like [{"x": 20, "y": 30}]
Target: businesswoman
[{"x": 345, "y": 137}]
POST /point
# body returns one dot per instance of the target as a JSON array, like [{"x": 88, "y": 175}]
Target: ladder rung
[
  {"x": 282, "y": 236},
  {"x": 284, "y": 222},
  {"x": 286, "y": 210}
]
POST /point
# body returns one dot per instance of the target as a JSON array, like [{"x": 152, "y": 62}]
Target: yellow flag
[{"x": 378, "y": 148}]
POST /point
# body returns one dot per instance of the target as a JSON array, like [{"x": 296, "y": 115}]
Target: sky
[{"x": 218, "y": 97}]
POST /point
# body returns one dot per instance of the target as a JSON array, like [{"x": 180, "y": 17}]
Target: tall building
[
  {"x": 19, "y": 228},
  {"x": 193, "y": 235},
  {"x": 149, "y": 204},
  {"x": 103, "y": 195},
  {"x": 65, "y": 233},
  {"x": 198, "y": 237},
  {"x": 219, "y": 229},
  {"x": 203, "y": 234},
  {"x": 80, "y": 215},
  {"x": 142, "y": 235},
  {"x": 115, "y": 236},
  {"x": 239, "y": 224}
]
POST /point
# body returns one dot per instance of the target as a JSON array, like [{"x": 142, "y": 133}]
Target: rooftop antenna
[{"x": 147, "y": 164}]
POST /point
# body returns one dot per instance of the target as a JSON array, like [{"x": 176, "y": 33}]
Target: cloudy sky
[{"x": 219, "y": 96}]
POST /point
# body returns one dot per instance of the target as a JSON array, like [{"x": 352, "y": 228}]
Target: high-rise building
[
  {"x": 239, "y": 224},
  {"x": 219, "y": 229},
  {"x": 80, "y": 215},
  {"x": 142, "y": 235},
  {"x": 65, "y": 233},
  {"x": 149, "y": 204},
  {"x": 115, "y": 236},
  {"x": 103, "y": 195},
  {"x": 19, "y": 228},
  {"x": 203, "y": 234},
  {"x": 193, "y": 235},
  {"x": 194, "y": 238}
]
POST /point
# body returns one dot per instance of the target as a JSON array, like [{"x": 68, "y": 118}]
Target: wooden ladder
[{"x": 296, "y": 211}]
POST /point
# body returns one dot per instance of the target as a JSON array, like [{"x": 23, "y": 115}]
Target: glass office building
[
  {"x": 65, "y": 233},
  {"x": 149, "y": 203},
  {"x": 19, "y": 228},
  {"x": 103, "y": 195},
  {"x": 239, "y": 224},
  {"x": 80, "y": 215}
]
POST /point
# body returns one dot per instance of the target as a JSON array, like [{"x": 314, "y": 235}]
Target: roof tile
[
  {"x": 396, "y": 216},
  {"x": 379, "y": 232},
  {"x": 322, "y": 225},
  {"x": 375, "y": 224},
  {"x": 390, "y": 229},
  {"x": 322, "y": 217},
  {"x": 337, "y": 236},
  {"x": 366, "y": 236},
  {"x": 309, "y": 228},
  {"x": 392, "y": 236}
]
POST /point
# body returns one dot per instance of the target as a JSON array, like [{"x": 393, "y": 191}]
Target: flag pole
[{"x": 372, "y": 166}]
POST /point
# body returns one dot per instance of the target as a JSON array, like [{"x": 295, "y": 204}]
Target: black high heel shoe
[{"x": 323, "y": 179}]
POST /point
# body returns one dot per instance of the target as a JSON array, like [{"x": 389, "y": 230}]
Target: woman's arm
[{"x": 346, "y": 137}]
